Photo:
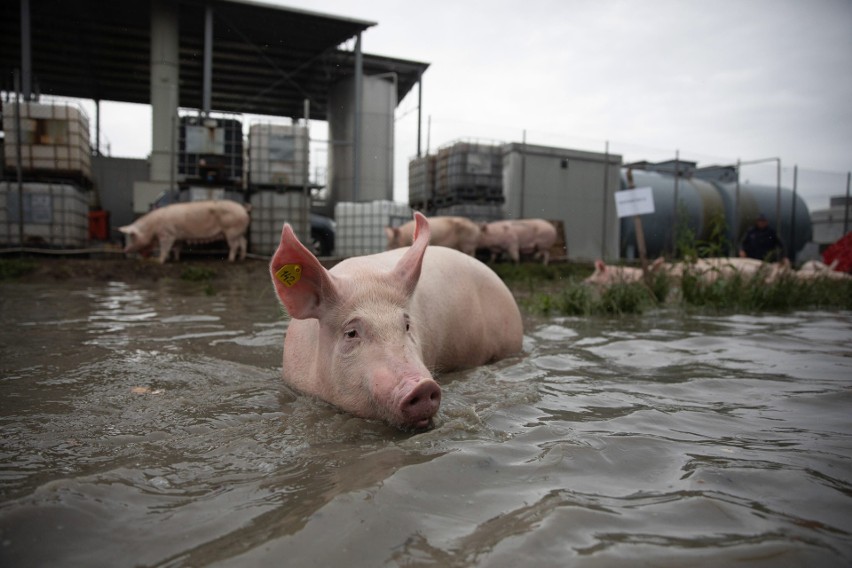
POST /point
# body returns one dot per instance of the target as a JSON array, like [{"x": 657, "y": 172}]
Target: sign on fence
[{"x": 630, "y": 202}]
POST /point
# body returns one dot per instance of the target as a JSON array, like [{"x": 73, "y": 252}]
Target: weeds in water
[
  {"x": 578, "y": 299},
  {"x": 753, "y": 294},
  {"x": 733, "y": 293},
  {"x": 200, "y": 274},
  {"x": 197, "y": 274},
  {"x": 15, "y": 268}
]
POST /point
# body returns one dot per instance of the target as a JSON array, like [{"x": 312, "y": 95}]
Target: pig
[
  {"x": 535, "y": 237},
  {"x": 608, "y": 275},
  {"x": 454, "y": 232},
  {"x": 198, "y": 221},
  {"x": 367, "y": 334},
  {"x": 815, "y": 270},
  {"x": 711, "y": 269},
  {"x": 499, "y": 237}
]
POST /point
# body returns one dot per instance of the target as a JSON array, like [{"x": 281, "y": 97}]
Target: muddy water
[{"x": 144, "y": 424}]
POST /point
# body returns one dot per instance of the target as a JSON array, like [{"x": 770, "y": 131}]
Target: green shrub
[{"x": 12, "y": 268}]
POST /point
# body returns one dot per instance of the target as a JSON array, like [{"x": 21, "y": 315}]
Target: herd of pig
[
  {"x": 367, "y": 335},
  {"x": 708, "y": 270},
  {"x": 207, "y": 221}
]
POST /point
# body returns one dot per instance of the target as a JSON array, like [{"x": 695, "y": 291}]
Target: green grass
[
  {"x": 197, "y": 274},
  {"x": 568, "y": 296},
  {"x": 11, "y": 268},
  {"x": 200, "y": 274},
  {"x": 578, "y": 299},
  {"x": 753, "y": 294}
]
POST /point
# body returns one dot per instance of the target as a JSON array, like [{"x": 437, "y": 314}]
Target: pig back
[
  {"x": 203, "y": 219},
  {"x": 469, "y": 317},
  {"x": 534, "y": 234}
]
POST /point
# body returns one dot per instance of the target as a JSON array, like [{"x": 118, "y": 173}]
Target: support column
[
  {"x": 164, "y": 89},
  {"x": 357, "y": 137},
  {"x": 207, "y": 87},
  {"x": 26, "y": 52}
]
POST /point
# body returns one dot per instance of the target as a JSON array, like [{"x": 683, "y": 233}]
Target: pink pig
[
  {"x": 499, "y": 237},
  {"x": 608, "y": 275},
  {"x": 198, "y": 221},
  {"x": 367, "y": 334},
  {"x": 535, "y": 236},
  {"x": 458, "y": 233}
]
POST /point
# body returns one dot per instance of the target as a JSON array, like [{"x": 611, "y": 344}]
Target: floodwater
[{"x": 145, "y": 424}]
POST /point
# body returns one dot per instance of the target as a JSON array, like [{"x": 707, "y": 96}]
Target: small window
[{"x": 564, "y": 163}]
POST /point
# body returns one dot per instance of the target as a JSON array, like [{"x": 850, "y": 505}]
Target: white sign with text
[{"x": 639, "y": 201}]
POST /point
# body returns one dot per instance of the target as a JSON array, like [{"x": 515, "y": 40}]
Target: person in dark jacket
[{"x": 761, "y": 242}]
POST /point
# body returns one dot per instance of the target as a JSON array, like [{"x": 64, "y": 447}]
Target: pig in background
[
  {"x": 518, "y": 236},
  {"x": 195, "y": 222},
  {"x": 708, "y": 270},
  {"x": 457, "y": 233},
  {"x": 815, "y": 270},
  {"x": 367, "y": 334}
]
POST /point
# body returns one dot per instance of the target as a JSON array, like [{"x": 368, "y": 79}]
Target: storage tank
[
  {"x": 269, "y": 211},
  {"x": 421, "y": 182},
  {"x": 55, "y": 214},
  {"x": 278, "y": 156},
  {"x": 210, "y": 150},
  {"x": 377, "y": 139},
  {"x": 703, "y": 201},
  {"x": 54, "y": 141},
  {"x": 469, "y": 171}
]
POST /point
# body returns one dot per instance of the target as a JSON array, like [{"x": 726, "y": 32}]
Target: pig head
[{"x": 365, "y": 335}]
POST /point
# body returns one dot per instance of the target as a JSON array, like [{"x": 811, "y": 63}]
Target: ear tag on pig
[{"x": 289, "y": 274}]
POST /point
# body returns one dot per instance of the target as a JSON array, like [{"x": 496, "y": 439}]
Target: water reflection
[{"x": 147, "y": 425}]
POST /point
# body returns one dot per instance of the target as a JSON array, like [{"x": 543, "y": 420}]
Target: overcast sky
[{"x": 717, "y": 80}]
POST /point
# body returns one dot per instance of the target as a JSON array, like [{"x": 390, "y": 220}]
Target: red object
[
  {"x": 842, "y": 251},
  {"x": 99, "y": 225}
]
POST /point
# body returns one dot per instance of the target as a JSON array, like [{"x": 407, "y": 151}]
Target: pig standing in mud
[
  {"x": 195, "y": 222},
  {"x": 454, "y": 232},
  {"x": 367, "y": 334}
]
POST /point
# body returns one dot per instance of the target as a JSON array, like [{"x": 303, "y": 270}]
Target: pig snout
[{"x": 420, "y": 404}]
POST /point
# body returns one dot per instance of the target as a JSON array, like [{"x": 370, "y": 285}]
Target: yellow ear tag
[{"x": 289, "y": 274}]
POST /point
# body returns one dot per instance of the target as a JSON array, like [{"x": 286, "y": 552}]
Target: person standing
[{"x": 761, "y": 242}]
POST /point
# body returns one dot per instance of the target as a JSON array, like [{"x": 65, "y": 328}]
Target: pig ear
[
  {"x": 303, "y": 285},
  {"x": 600, "y": 266},
  {"x": 407, "y": 269}
]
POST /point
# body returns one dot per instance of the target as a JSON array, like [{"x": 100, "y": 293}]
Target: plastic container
[
  {"x": 278, "y": 155},
  {"x": 269, "y": 211},
  {"x": 54, "y": 141},
  {"x": 210, "y": 150},
  {"x": 55, "y": 214},
  {"x": 361, "y": 225}
]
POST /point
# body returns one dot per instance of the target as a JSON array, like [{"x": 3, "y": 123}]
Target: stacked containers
[
  {"x": 55, "y": 214},
  {"x": 278, "y": 156},
  {"x": 269, "y": 211},
  {"x": 469, "y": 172},
  {"x": 54, "y": 141},
  {"x": 421, "y": 182},
  {"x": 361, "y": 226},
  {"x": 210, "y": 150}
]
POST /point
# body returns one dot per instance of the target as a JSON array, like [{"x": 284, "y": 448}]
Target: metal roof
[{"x": 266, "y": 59}]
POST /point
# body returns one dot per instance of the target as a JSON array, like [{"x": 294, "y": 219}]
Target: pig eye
[{"x": 351, "y": 334}]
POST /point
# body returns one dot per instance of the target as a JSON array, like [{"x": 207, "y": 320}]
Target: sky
[{"x": 712, "y": 81}]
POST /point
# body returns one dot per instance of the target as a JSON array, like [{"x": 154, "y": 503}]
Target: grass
[
  {"x": 570, "y": 297},
  {"x": 199, "y": 274},
  {"x": 753, "y": 294},
  {"x": 11, "y": 268}
]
